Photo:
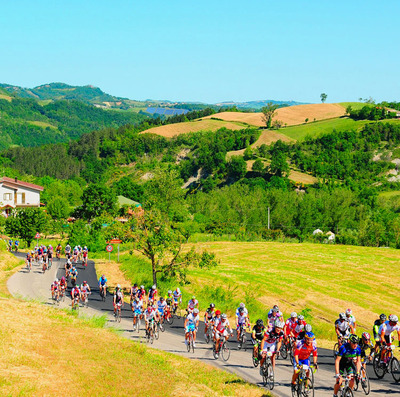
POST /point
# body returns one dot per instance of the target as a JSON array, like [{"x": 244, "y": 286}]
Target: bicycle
[
  {"x": 222, "y": 348},
  {"x": 62, "y": 294},
  {"x": 44, "y": 266},
  {"x": 75, "y": 303},
  {"x": 304, "y": 383},
  {"x": 242, "y": 336},
  {"x": 345, "y": 389},
  {"x": 29, "y": 266},
  {"x": 118, "y": 313},
  {"x": 390, "y": 364},
  {"x": 268, "y": 372},
  {"x": 364, "y": 379},
  {"x": 190, "y": 342},
  {"x": 103, "y": 292},
  {"x": 85, "y": 299},
  {"x": 160, "y": 326},
  {"x": 256, "y": 357},
  {"x": 151, "y": 331},
  {"x": 208, "y": 334},
  {"x": 138, "y": 321},
  {"x": 168, "y": 316}
]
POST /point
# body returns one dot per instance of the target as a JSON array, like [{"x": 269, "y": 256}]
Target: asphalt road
[{"x": 36, "y": 285}]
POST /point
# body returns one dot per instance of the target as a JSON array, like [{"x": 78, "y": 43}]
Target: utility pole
[{"x": 268, "y": 217}]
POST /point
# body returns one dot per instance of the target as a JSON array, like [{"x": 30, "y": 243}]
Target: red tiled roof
[{"x": 14, "y": 181}]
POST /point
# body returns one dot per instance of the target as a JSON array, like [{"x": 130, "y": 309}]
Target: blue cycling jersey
[
  {"x": 347, "y": 353},
  {"x": 102, "y": 281}
]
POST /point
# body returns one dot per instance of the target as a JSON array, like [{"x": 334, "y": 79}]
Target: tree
[
  {"x": 163, "y": 245},
  {"x": 258, "y": 166},
  {"x": 279, "y": 166},
  {"x": 268, "y": 112},
  {"x": 25, "y": 223},
  {"x": 98, "y": 199},
  {"x": 58, "y": 208},
  {"x": 237, "y": 167},
  {"x": 323, "y": 97}
]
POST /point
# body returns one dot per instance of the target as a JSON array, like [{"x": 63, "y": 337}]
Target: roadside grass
[
  {"x": 318, "y": 280},
  {"x": 316, "y": 128},
  {"x": 46, "y": 351}
]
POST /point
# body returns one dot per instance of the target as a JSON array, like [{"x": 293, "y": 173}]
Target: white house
[{"x": 16, "y": 194}]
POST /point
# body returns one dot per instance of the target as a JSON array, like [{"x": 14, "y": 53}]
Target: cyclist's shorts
[
  {"x": 241, "y": 325},
  {"x": 302, "y": 362},
  {"x": 138, "y": 312},
  {"x": 347, "y": 367},
  {"x": 161, "y": 311},
  {"x": 190, "y": 327}
]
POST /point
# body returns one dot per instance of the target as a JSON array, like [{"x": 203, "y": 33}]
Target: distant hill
[{"x": 257, "y": 105}]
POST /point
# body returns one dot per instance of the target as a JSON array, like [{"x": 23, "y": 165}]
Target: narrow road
[{"x": 36, "y": 285}]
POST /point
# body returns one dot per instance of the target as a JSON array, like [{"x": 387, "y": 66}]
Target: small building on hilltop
[{"x": 18, "y": 194}]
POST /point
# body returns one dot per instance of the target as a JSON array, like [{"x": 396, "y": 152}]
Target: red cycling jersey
[{"x": 304, "y": 351}]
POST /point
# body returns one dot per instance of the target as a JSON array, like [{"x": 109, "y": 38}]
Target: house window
[{"x": 7, "y": 196}]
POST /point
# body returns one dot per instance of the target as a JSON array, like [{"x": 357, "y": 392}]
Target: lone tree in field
[
  {"x": 323, "y": 97},
  {"x": 268, "y": 112},
  {"x": 155, "y": 237}
]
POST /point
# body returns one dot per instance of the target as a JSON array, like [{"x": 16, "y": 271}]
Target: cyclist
[
  {"x": 103, "y": 284},
  {"x": 118, "y": 301},
  {"x": 382, "y": 318},
  {"x": 217, "y": 317},
  {"x": 74, "y": 275},
  {"x": 221, "y": 329},
  {"x": 68, "y": 251},
  {"x": 242, "y": 321},
  {"x": 85, "y": 252},
  {"x": 352, "y": 321},
  {"x": 68, "y": 267},
  {"x": 134, "y": 291},
  {"x": 257, "y": 335},
  {"x": 347, "y": 360},
  {"x": 274, "y": 315},
  {"x": 29, "y": 260},
  {"x": 141, "y": 293},
  {"x": 10, "y": 244},
  {"x": 290, "y": 325},
  {"x": 302, "y": 354},
  {"x": 58, "y": 250},
  {"x": 385, "y": 331},
  {"x": 209, "y": 317},
  {"x": 137, "y": 308},
  {"x": 75, "y": 254},
  {"x": 150, "y": 315},
  {"x": 242, "y": 306},
  {"x": 272, "y": 341},
  {"x": 192, "y": 324},
  {"x": 55, "y": 289},
  {"x": 85, "y": 290},
  {"x": 169, "y": 298},
  {"x": 342, "y": 328},
  {"x": 365, "y": 344},
  {"x": 152, "y": 294},
  {"x": 161, "y": 305},
  {"x": 307, "y": 328},
  {"x": 177, "y": 299},
  {"x": 192, "y": 304},
  {"x": 50, "y": 256},
  {"x": 63, "y": 284},
  {"x": 75, "y": 294},
  {"x": 16, "y": 245}
]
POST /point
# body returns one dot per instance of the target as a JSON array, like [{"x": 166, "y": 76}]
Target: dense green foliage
[{"x": 369, "y": 112}]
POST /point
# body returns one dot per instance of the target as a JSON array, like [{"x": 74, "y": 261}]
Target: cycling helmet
[
  {"x": 118, "y": 286},
  {"x": 276, "y": 308},
  {"x": 382, "y": 317},
  {"x": 224, "y": 316},
  {"x": 142, "y": 286},
  {"x": 154, "y": 286},
  {"x": 353, "y": 338},
  {"x": 366, "y": 336},
  {"x": 279, "y": 324},
  {"x": 169, "y": 292},
  {"x": 135, "y": 285},
  {"x": 342, "y": 316},
  {"x": 242, "y": 305},
  {"x": 348, "y": 312},
  {"x": 300, "y": 317},
  {"x": 62, "y": 278},
  {"x": 393, "y": 318},
  {"x": 260, "y": 323},
  {"x": 56, "y": 280},
  {"x": 161, "y": 299},
  {"x": 241, "y": 310},
  {"x": 103, "y": 276},
  {"x": 178, "y": 290},
  {"x": 308, "y": 328},
  {"x": 309, "y": 335},
  {"x": 193, "y": 297},
  {"x": 85, "y": 282},
  {"x": 293, "y": 314},
  {"x": 301, "y": 327},
  {"x": 217, "y": 312},
  {"x": 196, "y": 311},
  {"x": 212, "y": 305},
  {"x": 85, "y": 248}
]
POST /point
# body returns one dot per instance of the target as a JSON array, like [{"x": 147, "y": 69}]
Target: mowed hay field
[
  {"x": 50, "y": 352},
  {"x": 326, "y": 279},
  {"x": 171, "y": 130},
  {"x": 291, "y": 115}
]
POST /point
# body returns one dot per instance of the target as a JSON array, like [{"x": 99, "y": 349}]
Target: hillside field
[
  {"x": 321, "y": 279},
  {"x": 171, "y": 130},
  {"x": 52, "y": 351}
]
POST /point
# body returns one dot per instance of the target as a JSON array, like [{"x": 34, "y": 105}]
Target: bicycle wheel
[
  {"x": 215, "y": 353},
  {"x": 255, "y": 360},
  {"x": 268, "y": 376},
  {"x": 347, "y": 392},
  {"x": 243, "y": 340},
  {"x": 291, "y": 356},
  {"x": 226, "y": 353},
  {"x": 138, "y": 324},
  {"x": 189, "y": 342},
  {"x": 365, "y": 381},
  {"x": 156, "y": 334},
  {"x": 306, "y": 388},
  {"x": 284, "y": 352},
  {"x": 162, "y": 329},
  {"x": 379, "y": 368},
  {"x": 207, "y": 337},
  {"x": 170, "y": 319},
  {"x": 395, "y": 369},
  {"x": 335, "y": 350}
]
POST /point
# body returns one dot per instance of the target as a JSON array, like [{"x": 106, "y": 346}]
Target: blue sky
[{"x": 208, "y": 51}]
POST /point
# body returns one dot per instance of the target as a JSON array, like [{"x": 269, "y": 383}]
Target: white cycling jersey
[
  {"x": 351, "y": 320},
  {"x": 388, "y": 328},
  {"x": 137, "y": 305},
  {"x": 241, "y": 318},
  {"x": 192, "y": 319},
  {"x": 193, "y": 303},
  {"x": 221, "y": 326},
  {"x": 343, "y": 326},
  {"x": 161, "y": 305},
  {"x": 149, "y": 315},
  {"x": 84, "y": 289},
  {"x": 246, "y": 312}
]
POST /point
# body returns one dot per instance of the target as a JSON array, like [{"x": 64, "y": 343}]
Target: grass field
[
  {"x": 42, "y": 124},
  {"x": 320, "y": 280},
  {"x": 390, "y": 199},
  {"x": 171, "y": 130},
  {"x": 314, "y": 129},
  {"x": 6, "y": 97},
  {"x": 49, "y": 352}
]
